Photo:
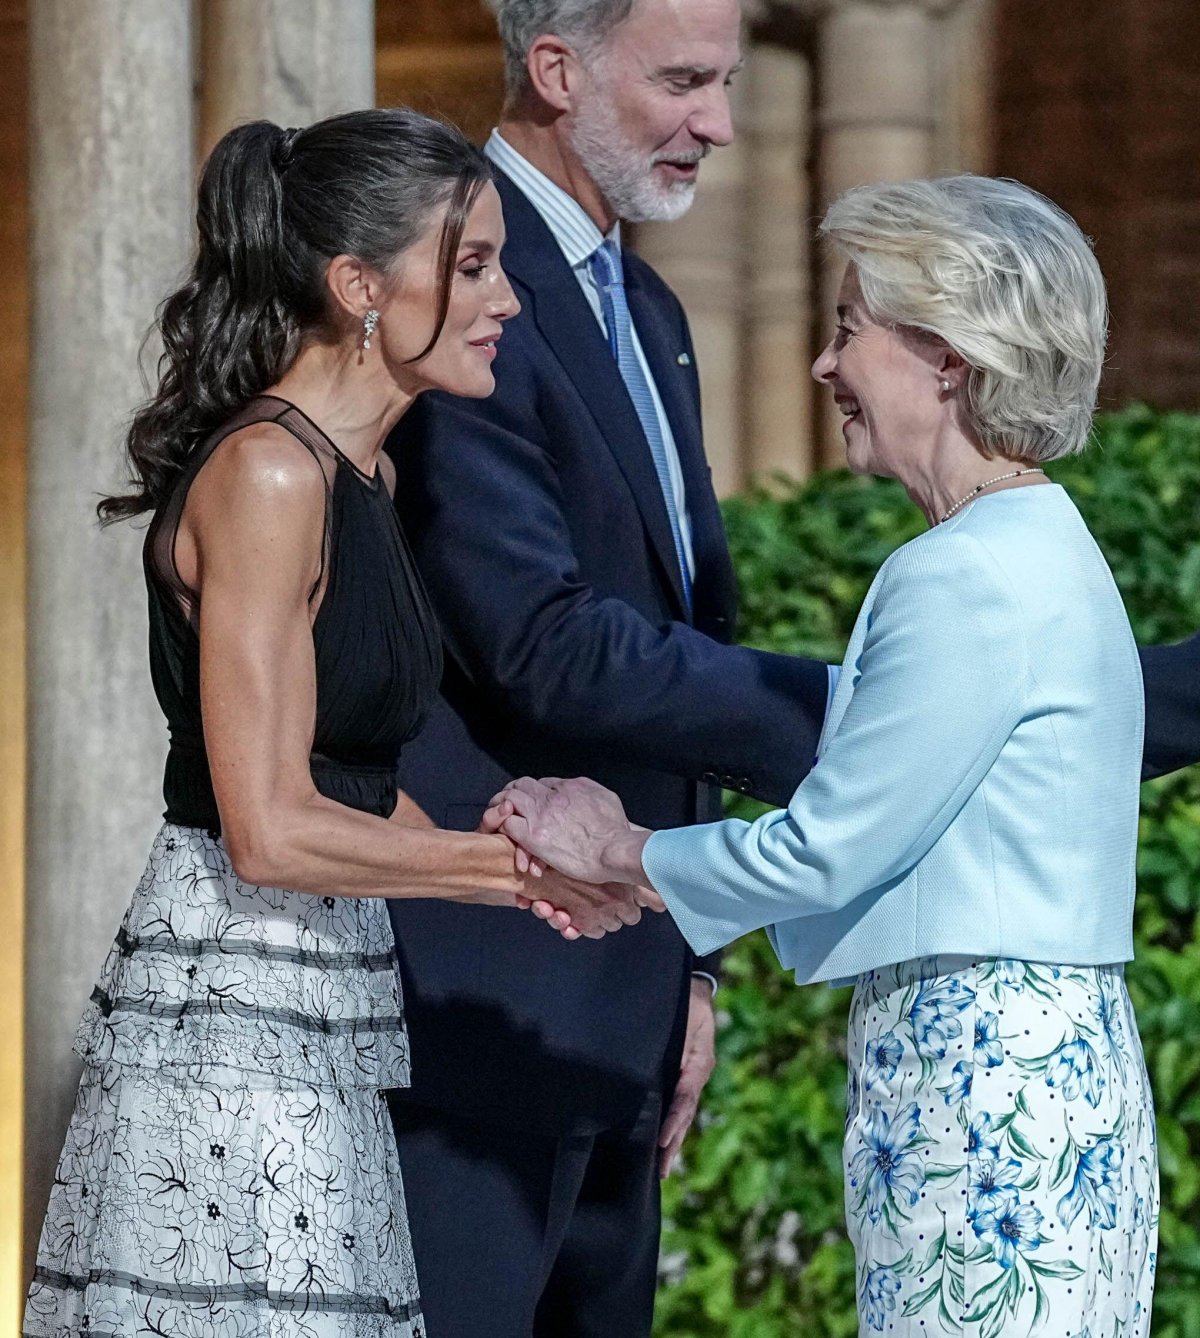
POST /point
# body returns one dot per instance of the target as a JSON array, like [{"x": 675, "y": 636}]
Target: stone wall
[{"x": 1097, "y": 103}]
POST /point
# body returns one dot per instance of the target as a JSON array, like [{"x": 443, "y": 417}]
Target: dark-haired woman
[{"x": 230, "y": 1167}]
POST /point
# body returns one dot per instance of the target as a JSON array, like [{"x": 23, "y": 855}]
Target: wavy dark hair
[{"x": 275, "y": 206}]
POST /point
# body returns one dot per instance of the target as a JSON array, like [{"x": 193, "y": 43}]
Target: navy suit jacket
[
  {"x": 540, "y": 529},
  {"x": 1172, "y": 678}
]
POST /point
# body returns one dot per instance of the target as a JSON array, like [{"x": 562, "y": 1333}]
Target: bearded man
[{"x": 569, "y": 537}]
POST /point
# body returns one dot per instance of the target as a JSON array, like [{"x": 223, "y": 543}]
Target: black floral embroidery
[{"x": 230, "y": 1166}]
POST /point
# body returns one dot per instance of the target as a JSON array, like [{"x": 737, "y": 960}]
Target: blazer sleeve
[
  {"x": 1172, "y": 678},
  {"x": 939, "y": 685},
  {"x": 481, "y": 501}
]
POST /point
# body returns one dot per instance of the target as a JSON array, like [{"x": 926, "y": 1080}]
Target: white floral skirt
[
  {"x": 230, "y": 1166},
  {"x": 1001, "y": 1169}
]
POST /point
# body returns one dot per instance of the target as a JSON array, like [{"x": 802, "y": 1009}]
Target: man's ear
[
  {"x": 354, "y": 288},
  {"x": 554, "y": 72}
]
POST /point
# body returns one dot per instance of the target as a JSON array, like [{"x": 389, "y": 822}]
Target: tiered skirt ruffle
[{"x": 230, "y": 1165}]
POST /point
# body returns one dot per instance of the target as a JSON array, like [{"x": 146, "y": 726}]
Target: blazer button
[
  {"x": 743, "y": 785},
  {"x": 710, "y": 778}
]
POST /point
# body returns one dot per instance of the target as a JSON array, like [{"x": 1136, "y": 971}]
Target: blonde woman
[{"x": 964, "y": 849}]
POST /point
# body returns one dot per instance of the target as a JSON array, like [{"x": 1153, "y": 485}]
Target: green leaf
[
  {"x": 994, "y": 1323},
  {"x": 988, "y": 1296},
  {"x": 922, "y": 1298},
  {"x": 1041, "y": 1306},
  {"x": 1065, "y": 1269},
  {"x": 1021, "y": 1144},
  {"x": 1063, "y": 1168},
  {"x": 932, "y": 1255},
  {"x": 1105, "y": 1262},
  {"x": 1012, "y": 1293}
]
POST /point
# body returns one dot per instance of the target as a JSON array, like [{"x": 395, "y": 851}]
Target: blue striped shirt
[{"x": 578, "y": 237}]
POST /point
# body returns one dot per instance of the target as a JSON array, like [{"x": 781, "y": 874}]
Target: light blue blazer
[{"x": 977, "y": 788}]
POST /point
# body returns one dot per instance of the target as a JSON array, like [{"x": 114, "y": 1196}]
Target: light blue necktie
[{"x": 609, "y": 273}]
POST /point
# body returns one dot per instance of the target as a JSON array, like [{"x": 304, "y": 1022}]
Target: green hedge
[{"x": 754, "y": 1245}]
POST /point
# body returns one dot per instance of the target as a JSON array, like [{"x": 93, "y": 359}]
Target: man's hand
[
  {"x": 576, "y": 826},
  {"x": 576, "y": 909},
  {"x": 699, "y": 1058},
  {"x": 494, "y": 818}
]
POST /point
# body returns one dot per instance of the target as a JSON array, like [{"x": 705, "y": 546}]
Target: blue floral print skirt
[
  {"x": 230, "y": 1167},
  {"x": 1001, "y": 1170}
]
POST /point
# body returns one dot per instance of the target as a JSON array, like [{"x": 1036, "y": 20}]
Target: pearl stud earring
[
  {"x": 945, "y": 387},
  {"x": 370, "y": 322}
]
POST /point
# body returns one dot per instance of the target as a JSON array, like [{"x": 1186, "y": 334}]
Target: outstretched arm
[
  {"x": 250, "y": 544},
  {"x": 483, "y": 507},
  {"x": 940, "y": 684}
]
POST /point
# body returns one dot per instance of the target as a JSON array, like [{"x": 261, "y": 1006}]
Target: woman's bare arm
[{"x": 250, "y": 543}]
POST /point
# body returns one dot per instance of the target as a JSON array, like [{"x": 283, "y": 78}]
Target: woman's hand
[
  {"x": 587, "y": 910},
  {"x": 629, "y": 902},
  {"x": 575, "y": 826}
]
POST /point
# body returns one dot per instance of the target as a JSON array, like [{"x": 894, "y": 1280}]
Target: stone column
[
  {"x": 966, "y": 90},
  {"x": 878, "y": 117},
  {"x": 778, "y": 388},
  {"x": 14, "y": 351},
  {"x": 111, "y": 156},
  {"x": 289, "y": 61},
  {"x": 703, "y": 257}
]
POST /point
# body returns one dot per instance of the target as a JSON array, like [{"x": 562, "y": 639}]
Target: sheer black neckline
[{"x": 372, "y": 481}]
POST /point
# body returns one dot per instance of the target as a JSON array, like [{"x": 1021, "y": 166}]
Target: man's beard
[{"x": 624, "y": 173}]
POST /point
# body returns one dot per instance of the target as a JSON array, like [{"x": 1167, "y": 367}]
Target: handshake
[{"x": 574, "y": 838}]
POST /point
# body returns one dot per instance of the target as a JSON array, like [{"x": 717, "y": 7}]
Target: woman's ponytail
[
  {"x": 228, "y": 333},
  {"x": 274, "y": 206}
]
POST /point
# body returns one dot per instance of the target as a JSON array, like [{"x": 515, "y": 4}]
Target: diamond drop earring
[{"x": 370, "y": 322}]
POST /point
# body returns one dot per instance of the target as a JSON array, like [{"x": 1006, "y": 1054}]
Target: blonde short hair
[{"x": 1006, "y": 279}]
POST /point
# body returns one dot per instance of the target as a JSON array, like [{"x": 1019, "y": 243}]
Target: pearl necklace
[{"x": 1000, "y": 478}]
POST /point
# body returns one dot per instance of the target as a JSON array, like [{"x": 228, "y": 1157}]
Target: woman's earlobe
[{"x": 952, "y": 371}]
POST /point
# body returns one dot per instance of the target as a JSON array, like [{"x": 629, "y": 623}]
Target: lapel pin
[{"x": 683, "y": 360}]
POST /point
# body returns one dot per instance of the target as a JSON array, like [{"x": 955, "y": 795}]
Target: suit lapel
[{"x": 560, "y": 311}]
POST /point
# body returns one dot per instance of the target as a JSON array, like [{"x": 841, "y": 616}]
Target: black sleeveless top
[{"x": 378, "y": 650}]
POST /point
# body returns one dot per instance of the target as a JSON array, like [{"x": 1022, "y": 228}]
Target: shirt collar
[{"x": 573, "y": 229}]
